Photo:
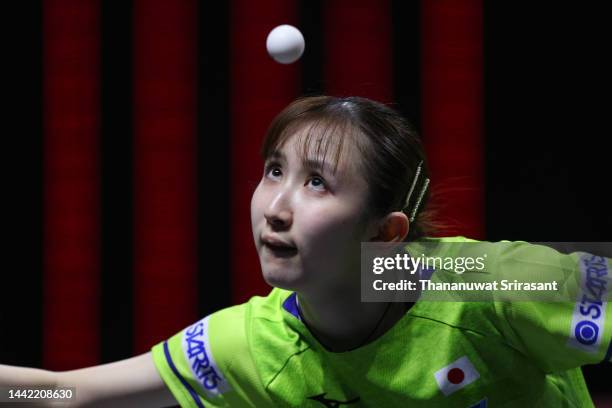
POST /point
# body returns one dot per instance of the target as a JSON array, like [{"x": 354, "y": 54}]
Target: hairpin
[
  {"x": 414, "y": 181},
  {"x": 416, "y": 206},
  {"x": 421, "y": 194}
]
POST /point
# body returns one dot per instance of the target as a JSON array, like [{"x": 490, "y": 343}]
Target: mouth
[{"x": 279, "y": 248}]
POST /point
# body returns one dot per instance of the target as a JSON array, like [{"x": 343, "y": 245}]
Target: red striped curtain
[
  {"x": 260, "y": 88},
  {"x": 358, "y": 49},
  {"x": 165, "y": 190},
  {"x": 358, "y": 55},
  {"x": 452, "y": 110},
  {"x": 71, "y": 237}
]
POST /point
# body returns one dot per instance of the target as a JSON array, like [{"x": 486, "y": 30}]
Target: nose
[{"x": 278, "y": 213}]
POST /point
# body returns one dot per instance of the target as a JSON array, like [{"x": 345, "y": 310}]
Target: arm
[
  {"x": 126, "y": 383},
  {"x": 26, "y": 377},
  {"x": 565, "y": 334}
]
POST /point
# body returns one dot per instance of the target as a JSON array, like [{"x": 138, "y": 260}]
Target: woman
[{"x": 339, "y": 172}]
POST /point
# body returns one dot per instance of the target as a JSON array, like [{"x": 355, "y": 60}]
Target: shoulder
[
  {"x": 498, "y": 258},
  {"x": 559, "y": 328},
  {"x": 245, "y": 331},
  {"x": 461, "y": 264},
  {"x": 256, "y": 339},
  {"x": 214, "y": 359}
]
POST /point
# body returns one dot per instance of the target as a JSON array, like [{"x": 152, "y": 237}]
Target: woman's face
[{"x": 308, "y": 221}]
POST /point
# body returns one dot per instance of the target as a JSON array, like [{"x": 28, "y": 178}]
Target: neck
[{"x": 341, "y": 322}]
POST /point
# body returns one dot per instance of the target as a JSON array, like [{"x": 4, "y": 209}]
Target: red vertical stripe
[
  {"x": 71, "y": 183},
  {"x": 164, "y": 78},
  {"x": 358, "y": 48},
  {"x": 260, "y": 88},
  {"x": 452, "y": 109}
]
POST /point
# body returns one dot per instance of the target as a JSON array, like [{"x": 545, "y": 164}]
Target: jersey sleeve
[
  {"x": 209, "y": 364},
  {"x": 558, "y": 336}
]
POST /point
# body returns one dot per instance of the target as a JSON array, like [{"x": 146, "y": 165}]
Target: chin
[{"x": 282, "y": 279}]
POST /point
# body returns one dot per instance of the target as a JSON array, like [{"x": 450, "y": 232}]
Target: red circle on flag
[{"x": 455, "y": 375}]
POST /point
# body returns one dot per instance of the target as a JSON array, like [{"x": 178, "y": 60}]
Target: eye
[
  {"x": 273, "y": 171},
  {"x": 317, "y": 183}
]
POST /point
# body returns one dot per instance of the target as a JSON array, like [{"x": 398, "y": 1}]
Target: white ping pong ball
[{"x": 285, "y": 44}]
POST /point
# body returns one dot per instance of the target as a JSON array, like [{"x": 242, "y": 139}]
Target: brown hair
[{"x": 390, "y": 148}]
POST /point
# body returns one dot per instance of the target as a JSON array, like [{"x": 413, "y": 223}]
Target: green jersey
[{"x": 439, "y": 354}]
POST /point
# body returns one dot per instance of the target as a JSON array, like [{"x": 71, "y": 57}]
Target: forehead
[{"x": 334, "y": 148}]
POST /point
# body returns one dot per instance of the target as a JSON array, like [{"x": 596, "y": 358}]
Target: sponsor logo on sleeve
[
  {"x": 456, "y": 375},
  {"x": 196, "y": 347},
  {"x": 586, "y": 330}
]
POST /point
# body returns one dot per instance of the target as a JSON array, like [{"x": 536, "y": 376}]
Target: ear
[{"x": 392, "y": 228}]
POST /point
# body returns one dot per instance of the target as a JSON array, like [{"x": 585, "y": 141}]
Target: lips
[{"x": 278, "y": 247}]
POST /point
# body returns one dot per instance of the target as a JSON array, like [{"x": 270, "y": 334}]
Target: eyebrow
[
  {"x": 277, "y": 155},
  {"x": 318, "y": 165}
]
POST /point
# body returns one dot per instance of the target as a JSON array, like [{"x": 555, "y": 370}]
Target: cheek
[
  {"x": 257, "y": 206},
  {"x": 330, "y": 234}
]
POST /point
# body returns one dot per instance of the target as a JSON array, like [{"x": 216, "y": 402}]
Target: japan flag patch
[{"x": 456, "y": 375}]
